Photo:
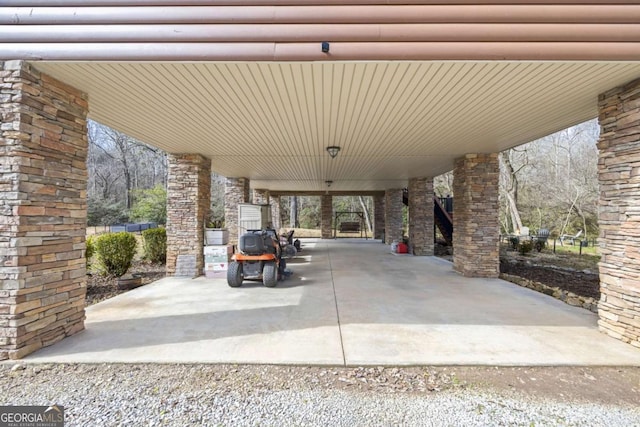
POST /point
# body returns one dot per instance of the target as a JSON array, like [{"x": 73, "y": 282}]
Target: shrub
[
  {"x": 91, "y": 249},
  {"x": 155, "y": 244},
  {"x": 525, "y": 247},
  {"x": 115, "y": 252}
]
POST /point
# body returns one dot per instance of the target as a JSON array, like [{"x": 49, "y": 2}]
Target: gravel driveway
[{"x": 230, "y": 395}]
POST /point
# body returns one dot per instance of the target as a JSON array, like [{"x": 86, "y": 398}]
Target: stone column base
[
  {"x": 188, "y": 203},
  {"x": 476, "y": 227},
  {"x": 43, "y": 209},
  {"x": 276, "y": 217},
  {"x": 394, "y": 230},
  {"x": 236, "y": 191},
  {"x": 326, "y": 216},
  {"x": 421, "y": 222},
  {"x": 619, "y": 215},
  {"x": 261, "y": 197}
]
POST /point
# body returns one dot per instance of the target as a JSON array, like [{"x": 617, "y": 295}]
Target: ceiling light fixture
[
  {"x": 328, "y": 183},
  {"x": 333, "y": 151}
]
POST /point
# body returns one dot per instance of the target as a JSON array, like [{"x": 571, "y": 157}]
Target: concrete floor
[{"x": 348, "y": 302}]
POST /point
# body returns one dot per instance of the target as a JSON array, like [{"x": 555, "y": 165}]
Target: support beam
[
  {"x": 43, "y": 209},
  {"x": 394, "y": 230},
  {"x": 236, "y": 191},
  {"x": 476, "y": 227},
  {"x": 378, "y": 217},
  {"x": 619, "y": 212},
  {"x": 188, "y": 204},
  {"x": 421, "y": 222},
  {"x": 326, "y": 215}
]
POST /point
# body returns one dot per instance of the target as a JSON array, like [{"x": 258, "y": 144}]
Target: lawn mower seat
[{"x": 257, "y": 243}]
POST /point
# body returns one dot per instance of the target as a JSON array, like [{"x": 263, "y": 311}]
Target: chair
[
  {"x": 543, "y": 234},
  {"x": 541, "y": 239},
  {"x": 571, "y": 238}
]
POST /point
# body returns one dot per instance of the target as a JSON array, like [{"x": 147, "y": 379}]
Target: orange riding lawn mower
[{"x": 261, "y": 258}]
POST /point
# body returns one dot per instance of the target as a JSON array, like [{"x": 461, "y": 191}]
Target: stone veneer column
[
  {"x": 276, "y": 217},
  {"x": 619, "y": 212},
  {"x": 188, "y": 204},
  {"x": 260, "y": 197},
  {"x": 378, "y": 217},
  {"x": 421, "y": 222},
  {"x": 326, "y": 216},
  {"x": 476, "y": 228},
  {"x": 43, "y": 209},
  {"x": 394, "y": 230},
  {"x": 236, "y": 191}
]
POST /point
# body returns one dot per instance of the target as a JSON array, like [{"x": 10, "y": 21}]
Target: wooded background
[{"x": 549, "y": 183}]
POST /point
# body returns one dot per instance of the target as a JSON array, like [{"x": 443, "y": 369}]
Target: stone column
[
  {"x": 276, "y": 217},
  {"x": 421, "y": 222},
  {"x": 236, "y": 191},
  {"x": 188, "y": 204},
  {"x": 378, "y": 217},
  {"x": 619, "y": 212},
  {"x": 394, "y": 230},
  {"x": 260, "y": 197},
  {"x": 476, "y": 228},
  {"x": 43, "y": 209},
  {"x": 326, "y": 216}
]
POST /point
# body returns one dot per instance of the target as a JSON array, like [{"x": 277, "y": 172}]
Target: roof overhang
[{"x": 405, "y": 87}]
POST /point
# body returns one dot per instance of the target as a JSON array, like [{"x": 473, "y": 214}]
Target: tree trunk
[
  {"x": 127, "y": 183},
  {"x": 514, "y": 214},
  {"x": 511, "y": 190},
  {"x": 293, "y": 212},
  {"x": 584, "y": 221},
  {"x": 366, "y": 214},
  {"x": 568, "y": 216}
]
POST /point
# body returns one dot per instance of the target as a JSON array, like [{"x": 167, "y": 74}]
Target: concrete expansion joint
[{"x": 335, "y": 298}]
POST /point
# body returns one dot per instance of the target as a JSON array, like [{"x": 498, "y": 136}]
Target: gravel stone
[{"x": 257, "y": 395}]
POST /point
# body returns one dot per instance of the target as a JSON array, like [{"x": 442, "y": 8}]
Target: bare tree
[
  {"x": 293, "y": 212},
  {"x": 552, "y": 182},
  {"x": 365, "y": 211},
  {"x": 117, "y": 165},
  {"x": 509, "y": 183}
]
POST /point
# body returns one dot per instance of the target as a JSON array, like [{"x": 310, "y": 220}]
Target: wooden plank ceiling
[{"x": 271, "y": 122}]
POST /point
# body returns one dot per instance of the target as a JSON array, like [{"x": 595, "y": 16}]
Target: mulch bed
[
  {"x": 100, "y": 288},
  {"x": 577, "y": 274},
  {"x": 586, "y": 284}
]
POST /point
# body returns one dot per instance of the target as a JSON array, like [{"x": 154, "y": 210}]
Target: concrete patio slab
[{"x": 349, "y": 302}]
